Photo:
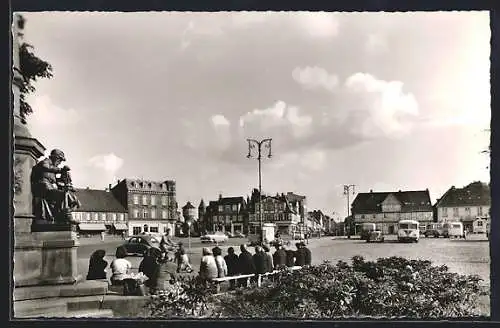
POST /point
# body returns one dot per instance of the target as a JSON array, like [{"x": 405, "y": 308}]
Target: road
[{"x": 462, "y": 256}]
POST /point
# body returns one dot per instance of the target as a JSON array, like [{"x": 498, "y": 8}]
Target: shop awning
[
  {"x": 92, "y": 226},
  {"x": 120, "y": 226}
]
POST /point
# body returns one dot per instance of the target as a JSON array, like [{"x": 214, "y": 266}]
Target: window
[
  {"x": 122, "y": 217},
  {"x": 113, "y": 216},
  {"x": 228, "y": 208},
  {"x": 96, "y": 216},
  {"x": 87, "y": 216},
  {"x": 480, "y": 210},
  {"x": 136, "y": 213},
  {"x": 103, "y": 216},
  {"x": 163, "y": 214},
  {"x": 145, "y": 214},
  {"x": 146, "y": 229},
  {"x": 479, "y": 223},
  {"x": 153, "y": 200},
  {"x": 144, "y": 200},
  {"x": 280, "y": 217},
  {"x": 136, "y": 230},
  {"x": 136, "y": 200},
  {"x": 153, "y": 213},
  {"x": 221, "y": 208},
  {"x": 153, "y": 229},
  {"x": 235, "y": 207},
  {"x": 455, "y": 211},
  {"x": 444, "y": 211},
  {"x": 164, "y": 200},
  {"x": 163, "y": 186}
]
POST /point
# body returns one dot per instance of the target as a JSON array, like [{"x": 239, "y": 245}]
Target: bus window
[{"x": 403, "y": 226}]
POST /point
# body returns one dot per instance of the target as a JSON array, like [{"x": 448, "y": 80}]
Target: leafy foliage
[
  {"x": 389, "y": 287},
  {"x": 31, "y": 69}
]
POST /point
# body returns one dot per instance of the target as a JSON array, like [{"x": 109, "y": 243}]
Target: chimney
[
  {"x": 109, "y": 187},
  {"x": 220, "y": 196},
  {"x": 371, "y": 190}
]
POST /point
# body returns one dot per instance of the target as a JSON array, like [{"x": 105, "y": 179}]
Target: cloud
[
  {"x": 386, "y": 107},
  {"x": 48, "y": 116},
  {"x": 219, "y": 120},
  {"x": 109, "y": 162},
  {"x": 314, "y": 159},
  {"x": 315, "y": 77},
  {"x": 280, "y": 115},
  {"x": 318, "y": 24},
  {"x": 376, "y": 43}
]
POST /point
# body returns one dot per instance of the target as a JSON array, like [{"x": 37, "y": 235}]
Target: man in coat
[
  {"x": 279, "y": 257},
  {"x": 233, "y": 268},
  {"x": 269, "y": 259},
  {"x": 300, "y": 255},
  {"x": 290, "y": 257},
  {"x": 308, "y": 254},
  {"x": 245, "y": 263},
  {"x": 259, "y": 260}
]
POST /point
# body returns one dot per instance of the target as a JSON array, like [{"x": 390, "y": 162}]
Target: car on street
[
  {"x": 375, "y": 236},
  {"x": 217, "y": 237},
  {"x": 139, "y": 244},
  {"x": 436, "y": 230}
]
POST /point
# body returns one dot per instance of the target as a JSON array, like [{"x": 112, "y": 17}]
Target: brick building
[
  {"x": 226, "y": 214},
  {"x": 152, "y": 205},
  {"x": 385, "y": 209},
  {"x": 100, "y": 211}
]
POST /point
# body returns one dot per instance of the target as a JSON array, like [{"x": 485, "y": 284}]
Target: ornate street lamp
[{"x": 252, "y": 144}]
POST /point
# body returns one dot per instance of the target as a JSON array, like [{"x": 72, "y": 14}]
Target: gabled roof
[
  {"x": 474, "y": 194},
  {"x": 188, "y": 206},
  {"x": 231, "y": 200},
  {"x": 411, "y": 201},
  {"x": 93, "y": 200}
]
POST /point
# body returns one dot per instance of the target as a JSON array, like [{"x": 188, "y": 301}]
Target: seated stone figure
[{"x": 52, "y": 189}]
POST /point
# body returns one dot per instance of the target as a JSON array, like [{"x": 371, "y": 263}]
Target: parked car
[
  {"x": 139, "y": 244},
  {"x": 375, "y": 237},
  {"x": 217, "y": 237},
  {"x": 436, "y": 230}
]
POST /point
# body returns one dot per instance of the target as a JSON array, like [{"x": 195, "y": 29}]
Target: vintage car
[
  {"x": 217, "y": 237},
  {"x": 375, "y": 236},
  {"x": 139, "y": 244}
]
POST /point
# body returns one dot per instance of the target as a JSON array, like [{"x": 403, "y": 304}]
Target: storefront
[{"x": 91, "y": 229}]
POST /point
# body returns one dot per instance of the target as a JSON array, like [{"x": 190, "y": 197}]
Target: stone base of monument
[{"x": 46, "y": 257}]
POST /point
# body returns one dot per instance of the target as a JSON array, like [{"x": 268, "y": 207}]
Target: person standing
[
  {"x": 220, "y": 262},
  {"x": 246, "y": 264},
  {"x": 232, "y": 265},
  {"x": 290, "y": 257},
  {"x": 300, "y": 255},
  {"x": 259, "y": 260},
  {"x": 308, "y": 255},
  {"x": 268, "y": 259},
  {"x": 279, "y": 257}
]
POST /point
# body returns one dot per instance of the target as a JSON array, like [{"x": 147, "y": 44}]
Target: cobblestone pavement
[{"x": 469, "y": 256}]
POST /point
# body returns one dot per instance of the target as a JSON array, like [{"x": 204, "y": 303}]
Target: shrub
[{"x": 389, "y": 287}]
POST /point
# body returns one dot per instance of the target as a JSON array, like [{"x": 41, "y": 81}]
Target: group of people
[
  {"x": 213, "y": 265},
  {"x": 161, "y": 267}
]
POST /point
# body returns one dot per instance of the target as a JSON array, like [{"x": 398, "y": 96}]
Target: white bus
[{"x": 408, "y": 231}]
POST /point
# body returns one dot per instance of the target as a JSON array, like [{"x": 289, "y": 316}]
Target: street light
[
  {"x": 252, "y": 143},
  {"x": 347, "y": 189},
  {"x": 188, "y": 221}
]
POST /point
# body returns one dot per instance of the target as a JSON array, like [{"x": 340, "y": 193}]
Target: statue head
[{"x": 57, "y": 156}]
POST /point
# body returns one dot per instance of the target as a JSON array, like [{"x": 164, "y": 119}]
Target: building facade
[
  {"x": 386, "y": 209},
  {"x": 100, "y": 212},
  {"x": 465, "y": 204},
  {"x": 226, "y": 214},
  {"x": 288, "y": 211},
  {"x": 152, "y": 205}
]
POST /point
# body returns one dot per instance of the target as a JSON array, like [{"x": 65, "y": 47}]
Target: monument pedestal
[{"x": 46, "y": 258}]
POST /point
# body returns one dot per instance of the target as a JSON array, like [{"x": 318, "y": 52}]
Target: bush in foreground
[{"x": 389, "y": 287}]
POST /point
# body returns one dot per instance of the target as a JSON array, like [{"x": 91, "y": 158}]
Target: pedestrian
[
  {"x": 150, "y": 266},
  {"x": 269, "y": 259},
  {"x": 232, "y": 265},
  {"x": 182, "y": 259},
  {"x": 102, "y": 235},
  {"x": 120, "y": 267},
  {"x": 220, "y": 262},
  {"x": 290, "y": 257},
  {"x": 97, "y": 265},
  {"x": 259, "y": 260},
  {"x": 208, "y": 267},
  {"x": 246, "y": 264},
  {"x": 300, "y": 255},
  {"x": 308, "y": 255},
  {"x": 279, "y": 257}
]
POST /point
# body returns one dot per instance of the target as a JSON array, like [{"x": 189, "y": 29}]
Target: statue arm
[{"x": 47, "y": 167}]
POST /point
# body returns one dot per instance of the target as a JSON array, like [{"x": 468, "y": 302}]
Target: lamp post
[
  {"x": 347, "y": 189},
  {"x": 252, "y": 143},
  {"x": 188, "y": 221}
]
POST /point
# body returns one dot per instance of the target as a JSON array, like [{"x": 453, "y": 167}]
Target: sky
[{"x": 384, "y": 101}]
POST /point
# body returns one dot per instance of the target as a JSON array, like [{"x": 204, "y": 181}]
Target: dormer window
[{"x": 132, "y": 184}]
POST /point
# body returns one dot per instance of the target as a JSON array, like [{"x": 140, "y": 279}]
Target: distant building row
[{"x": 469, "y": 205}]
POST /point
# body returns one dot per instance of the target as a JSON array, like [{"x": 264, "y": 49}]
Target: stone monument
[{"x": 45, "y": 243}]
